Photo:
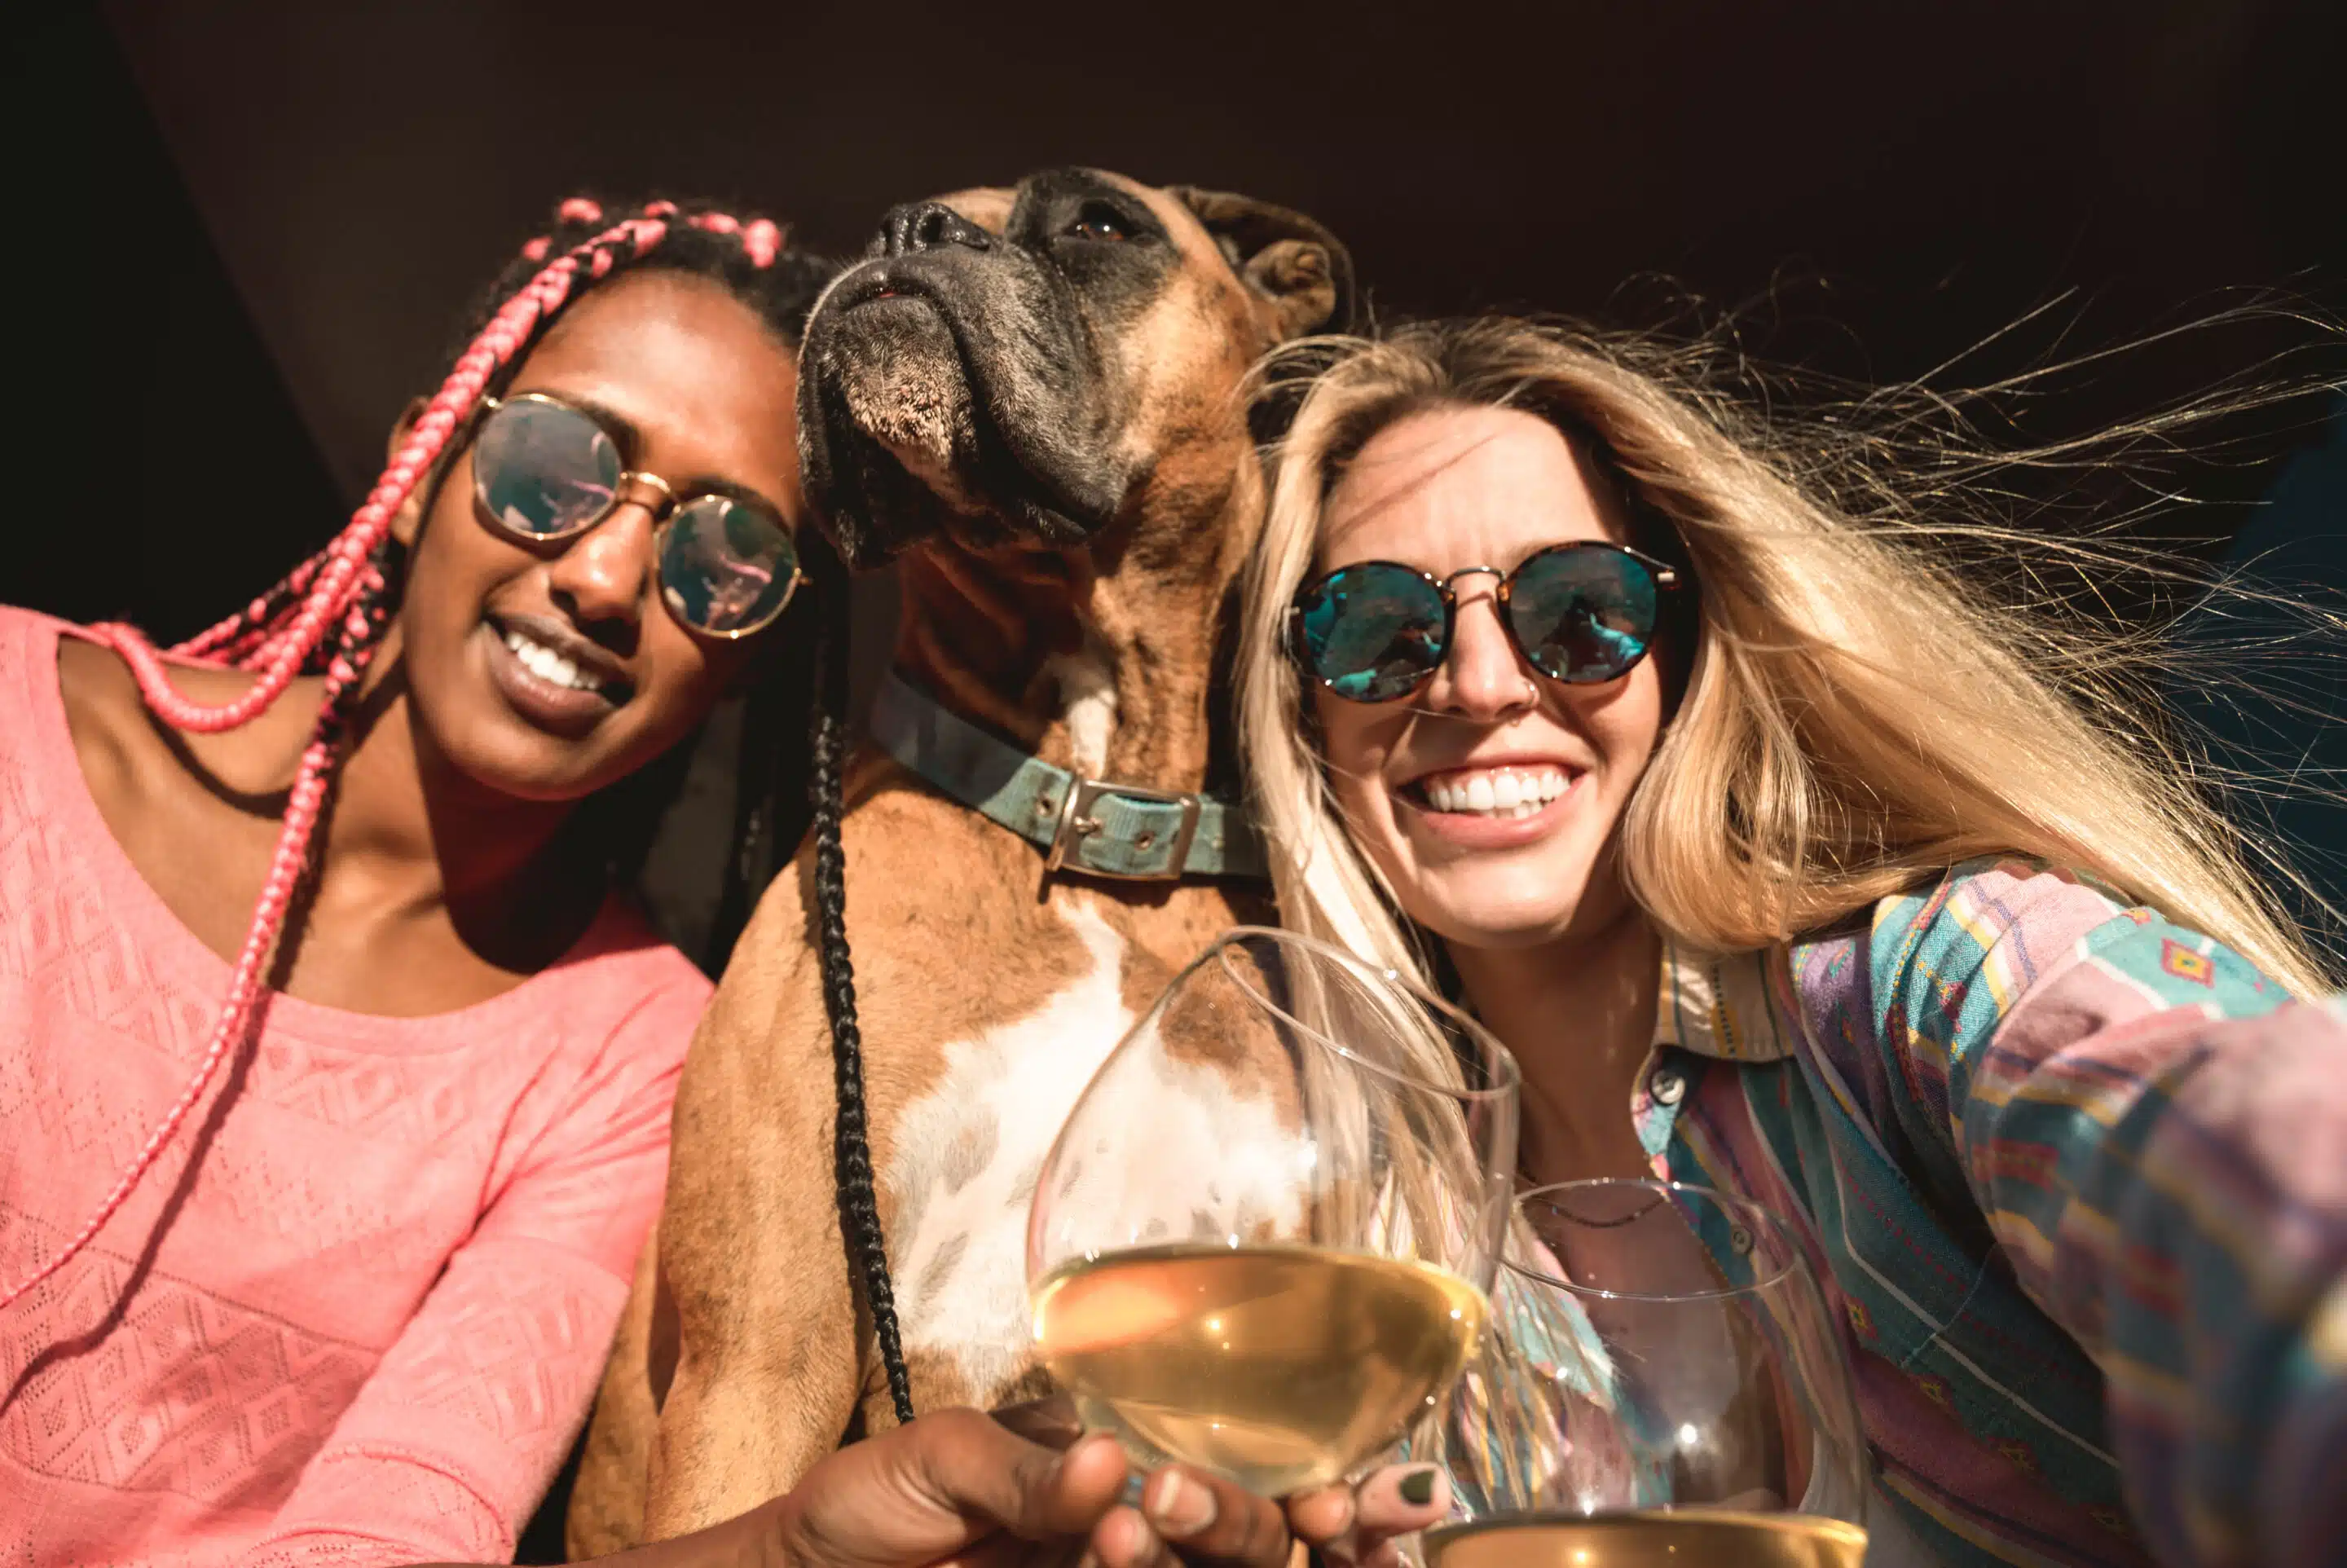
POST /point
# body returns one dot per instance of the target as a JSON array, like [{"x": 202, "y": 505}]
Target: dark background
[
  {"x": 246, "y": 230},
  {"x": 241, "y": 233}
]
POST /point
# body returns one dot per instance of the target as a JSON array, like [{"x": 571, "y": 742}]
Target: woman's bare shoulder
[
  {"x": 119, "y": 740},
  {"x": 103, "y": 714}
]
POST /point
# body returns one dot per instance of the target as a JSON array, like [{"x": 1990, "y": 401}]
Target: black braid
[
  {"x": 771, "y": 763},
  {"x": 859, "y": 1206},
  {"x": 753, "y": 828},
  {"x": 770, "y": 796}
]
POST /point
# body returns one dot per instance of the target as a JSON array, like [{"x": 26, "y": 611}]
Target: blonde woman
[{"x": 1784, "y": 864}]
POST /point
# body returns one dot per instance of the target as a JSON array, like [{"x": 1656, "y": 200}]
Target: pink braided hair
[{"x": 340, "y": 592}]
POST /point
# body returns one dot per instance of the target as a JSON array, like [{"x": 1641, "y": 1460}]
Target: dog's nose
[{"x": 928, "y": 226}]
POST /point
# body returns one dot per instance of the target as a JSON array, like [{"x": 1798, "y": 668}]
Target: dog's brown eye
[{"x": 1099, "y": 222}]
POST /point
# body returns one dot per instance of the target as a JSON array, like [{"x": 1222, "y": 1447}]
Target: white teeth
[
  {"x": 549, "y": 666},
  {"x": 1509, "y": 794}
]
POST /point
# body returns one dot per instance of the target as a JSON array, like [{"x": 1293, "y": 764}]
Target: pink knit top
[{"x": 366, "y": 1326}]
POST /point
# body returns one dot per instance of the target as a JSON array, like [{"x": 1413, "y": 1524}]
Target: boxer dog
[{"x": 1034, "y": 400}]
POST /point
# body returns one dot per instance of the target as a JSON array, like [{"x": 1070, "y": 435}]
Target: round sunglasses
[
  {"x": 1376, "y": 630},
  {"x": 544, "y": 471}
]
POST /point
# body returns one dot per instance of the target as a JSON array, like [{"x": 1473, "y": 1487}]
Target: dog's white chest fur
[{"x": 966, "y": 1157}]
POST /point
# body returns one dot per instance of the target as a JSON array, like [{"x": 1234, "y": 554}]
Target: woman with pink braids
[{"x": 334, "y": 1076}]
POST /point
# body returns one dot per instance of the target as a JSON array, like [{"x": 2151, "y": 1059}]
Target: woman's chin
[
  {"x": 1475, "y": 914},
  {"x": 1513, "y": 895},
  {"x": 524, "y": 765}
]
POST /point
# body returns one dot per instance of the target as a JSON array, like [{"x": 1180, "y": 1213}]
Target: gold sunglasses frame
[{"x": 663, "y": 504}]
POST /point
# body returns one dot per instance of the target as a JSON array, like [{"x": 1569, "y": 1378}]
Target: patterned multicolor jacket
[{"x": 2076, "y": 1180}]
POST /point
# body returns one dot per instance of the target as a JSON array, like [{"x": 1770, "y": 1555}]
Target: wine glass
[
  {"x": 1262, "y": 1241},
  {"x": 1663, "y": 1385}
]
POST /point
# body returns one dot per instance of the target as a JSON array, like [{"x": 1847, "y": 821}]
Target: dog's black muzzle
[
  {"x": 989, "y": 330},
  {"x": 915, "y": 226}
]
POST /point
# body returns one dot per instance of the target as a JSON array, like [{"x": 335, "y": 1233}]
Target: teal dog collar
[{"x": 1091, "y": 826}]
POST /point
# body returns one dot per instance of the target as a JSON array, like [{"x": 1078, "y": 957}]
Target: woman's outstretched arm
[{"x": 2157, "y": 1137}]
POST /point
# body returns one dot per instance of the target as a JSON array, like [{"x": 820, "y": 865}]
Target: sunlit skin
[
  {"x": 1532, "y": 911},
  {"x": 446, "y": 875},
  {"x": 954, "y": 1488}
]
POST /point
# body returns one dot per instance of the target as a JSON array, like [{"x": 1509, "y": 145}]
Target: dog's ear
[{"x": 1301, "y": 274}]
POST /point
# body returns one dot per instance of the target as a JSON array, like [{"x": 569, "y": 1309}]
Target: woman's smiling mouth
[
  {"x": 1491, "y": 805},
  {"x": 1508, "y": 792},
  {"x": 554, "y": 679}
]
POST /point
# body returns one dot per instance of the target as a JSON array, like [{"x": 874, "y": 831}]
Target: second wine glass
[
  {"x": 1263, "y": 1241},
  {"x": 1664, "y": 1385}
]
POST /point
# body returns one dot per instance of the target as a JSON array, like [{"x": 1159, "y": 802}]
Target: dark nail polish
[{"x": 1417, "y": 1488}]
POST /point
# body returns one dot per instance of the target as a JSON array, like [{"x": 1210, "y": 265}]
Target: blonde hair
[{"x": 1859, "y": 714}]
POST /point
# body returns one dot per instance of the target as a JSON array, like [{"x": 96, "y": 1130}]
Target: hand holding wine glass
[{"x": 1281, "y": 1312}]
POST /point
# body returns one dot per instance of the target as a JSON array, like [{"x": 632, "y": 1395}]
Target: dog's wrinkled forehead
[
  {"x": 1290, "y": 272},
  {"x": 1049, "y": 204}
]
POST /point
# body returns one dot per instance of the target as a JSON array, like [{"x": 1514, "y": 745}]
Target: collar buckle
[{"x": 1077, "y": 822}]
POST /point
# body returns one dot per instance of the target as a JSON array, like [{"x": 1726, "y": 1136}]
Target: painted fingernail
[
  {"x": 1135, "y": 1488},
  {"x": 1417, "y": 1488},
  {"x": 1183, "y": 1506}
]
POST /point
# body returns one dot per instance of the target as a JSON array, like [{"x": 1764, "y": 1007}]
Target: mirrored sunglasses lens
[
  {"x": 1583, "y": 614},
  {"x": 725, "y": 567},
  {"x": 544, "y": 471},
  {"x": 1372, "y": 633}
]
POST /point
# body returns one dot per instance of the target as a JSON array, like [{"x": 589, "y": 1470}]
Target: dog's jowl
[{"x": 1033, "y": 400}]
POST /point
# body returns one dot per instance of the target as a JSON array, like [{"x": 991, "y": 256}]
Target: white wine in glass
[
  {"x": 1662, "y": 1383},
  {"x": 1268, "y": 1363},
  {"x": 1283, "y": 1312},
  {"x": 1660, "y": 1539}
]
